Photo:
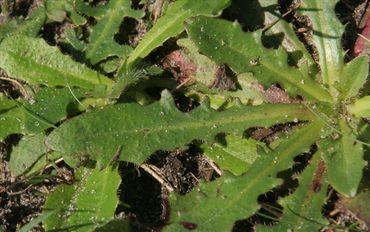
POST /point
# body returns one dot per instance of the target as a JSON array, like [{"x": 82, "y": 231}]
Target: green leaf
[
  {"x": 28, "y": 227},
  {"x": 206, "y": 73},
  {"x": 34, "y": 61},
  {"x": 220, "y": 203},
  {"x": 49, "y": 106},
  {"x": 136, "y": 131},
  {"x": 344, "y": 161},
  {"x": 353, "y": 77},
  {"x": 89, "y": 203},
  {"x": 226, "y": 43},
  {"x": 326, "y": 35},
  {"x": 302, "y": 209},
  {"x": 43, "y": 161},
  {"x": 171, "y": 24},
  {"x": 281, "y": 28},
  {"x": 29, "y": 27},
  {"x": 361, "y": 107},
  {"x": 65, "y": 8},
  {"x": 115, "y": 226},
  {"x": 101, "y": 43},
  {"x": 234, "y": 154},
  {"x": 26, "y": 153}
]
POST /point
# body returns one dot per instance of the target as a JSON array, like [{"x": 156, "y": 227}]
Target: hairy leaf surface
[
  {"x": 135, "y": 131},
  {"x": 226, "y": 43},
  {"x": 220, "y": 203},
  {"x": 34, "y": 61},
  {"x": 89, "y": 203}
]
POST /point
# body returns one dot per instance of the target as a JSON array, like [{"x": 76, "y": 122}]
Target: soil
[
  {"x": 18, "y": 202},
  {"x": 144, "y": 189}
]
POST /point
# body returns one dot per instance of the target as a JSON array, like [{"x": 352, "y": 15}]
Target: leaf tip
[{"x": 167, "y": 101}]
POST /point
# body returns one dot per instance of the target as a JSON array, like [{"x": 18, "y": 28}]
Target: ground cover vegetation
[{"x": 211, "y": 115}]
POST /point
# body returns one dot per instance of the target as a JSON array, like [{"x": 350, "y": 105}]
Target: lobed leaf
[
  {"x": 326, "y": 36},
  {"x": 88, "y": 204},
  {"x": 109, "y": 17},
  {"x": 344, "y": 160},
  {"x": 171, "y": 24},
  {"x": 220, "y": 203},
  {"x": 134, "y": 132},
  {"x": 302, "y": 209},
  {"x": 278, "y": 27},
  {"x": 226, "y": 43},
  {"x": 34, "y": 61}
]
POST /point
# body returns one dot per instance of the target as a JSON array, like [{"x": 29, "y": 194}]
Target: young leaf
[
  {"x": 353, "y": 77},
  {"x": 101, "y": 44},
  {"x": 26, "y": 153},
  {"x": 89, "y": 203},
  {"x": 171, "y": 24},
  {"x": 326, "y": 33},
  {"x": 134, "y": 132},
  {"x": 49, "y": 107},
  {"x": 34, "y": 61},
  {"x": 226, "y": 43},
  {"x": 361, "y": 107},
  {"x": 302, "y": 209},
  {"x": 344, "y": 161},
  {"x": 220, "y": 203},
  {"x": 235, "y": 154}
]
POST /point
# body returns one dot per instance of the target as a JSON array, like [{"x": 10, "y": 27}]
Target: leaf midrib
[
  {"x": 249, "y": 118},
  {"x": 108, "y": 25},
  {"x": 139, "y": 49},
  {"x": 48, "y": 69},
  {"x": 283, "y": 156}
]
